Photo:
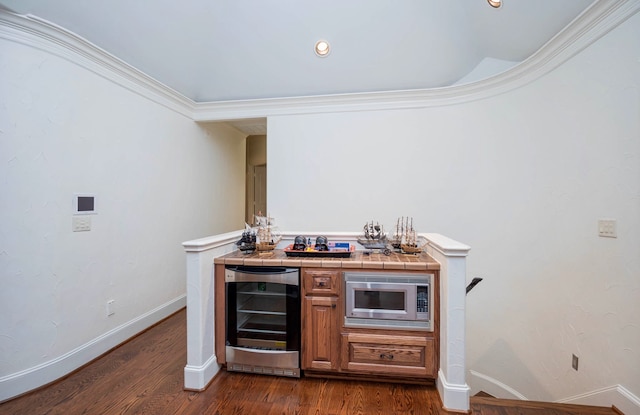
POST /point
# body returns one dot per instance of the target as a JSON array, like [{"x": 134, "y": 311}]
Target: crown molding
[
  {"x": 599, "y": 19},
  {"x": 46, "y": 36}
]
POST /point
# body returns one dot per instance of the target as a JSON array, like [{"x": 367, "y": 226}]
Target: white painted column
[
  {"x": 451, "y": 255},
  {"x": 202, "y": 364}
]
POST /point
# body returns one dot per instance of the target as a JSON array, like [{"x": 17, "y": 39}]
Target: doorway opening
[{"x": 256, "y": 186}]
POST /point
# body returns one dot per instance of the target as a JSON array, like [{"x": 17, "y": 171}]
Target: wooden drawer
[
  {"x": 321, "y": 281},
  {"x": 388, "y": 354}
]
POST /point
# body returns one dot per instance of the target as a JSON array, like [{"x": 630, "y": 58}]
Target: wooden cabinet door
[{"x": 321, "y": 333}]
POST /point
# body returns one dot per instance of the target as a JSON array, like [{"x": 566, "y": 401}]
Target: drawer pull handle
[
  {"x": 333, "y": 306},
  {"x": 321, "y": 284},
  {"x": 386, "y": 356}
]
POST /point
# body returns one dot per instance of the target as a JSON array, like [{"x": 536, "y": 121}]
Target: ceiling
[{"x": 228, "y": 50}]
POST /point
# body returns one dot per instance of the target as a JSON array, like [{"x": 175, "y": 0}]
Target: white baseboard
[
  {"x": 19, "y": 383},
  {"x": 616, "y": 395},
  {"x": 197, "y": 378},
  {"x": 481, "y": 382},
  {"x": 454, "y": 397}
]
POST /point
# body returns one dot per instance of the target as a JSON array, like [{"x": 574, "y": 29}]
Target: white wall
[
  {"x": 522, "y": 178},
  {"x": 160, "y": 179}
]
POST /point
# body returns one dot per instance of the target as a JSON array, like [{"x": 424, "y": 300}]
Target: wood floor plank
[{"x": 145, "y": 376}]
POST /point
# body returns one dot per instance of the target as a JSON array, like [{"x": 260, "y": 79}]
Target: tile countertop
[{"x": 358, "y": 259}]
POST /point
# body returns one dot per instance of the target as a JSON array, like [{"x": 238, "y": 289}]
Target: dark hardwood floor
[{"x": 145, "y": 376}]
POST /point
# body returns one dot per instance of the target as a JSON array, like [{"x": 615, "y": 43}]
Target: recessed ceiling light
[
  {"x": 322, "y": 48},
  {"x": 495, "y": 3}
]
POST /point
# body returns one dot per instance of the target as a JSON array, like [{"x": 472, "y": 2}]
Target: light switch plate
[
  {"x": 81, "y": 223},
  {"x": 110, "y": 308},
  {"x": 607, "y": 228}
]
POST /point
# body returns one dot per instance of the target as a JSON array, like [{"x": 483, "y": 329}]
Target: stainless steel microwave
[{"x": 388, "y": 300}]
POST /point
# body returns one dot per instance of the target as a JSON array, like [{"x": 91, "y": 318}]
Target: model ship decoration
[
  {"x": 247, "y": 242},
  {"x": 374, "y": 237},
  {"x": 405, "y": 238},
  {"x": 409, "y": 243},
  {"x": 396, "y": 239},
  {"x": 373, "y": 233},
  {"x": 268, "y": 235}
]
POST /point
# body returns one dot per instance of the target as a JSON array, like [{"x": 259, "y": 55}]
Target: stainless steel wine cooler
[{"x": 263, "y": 320}]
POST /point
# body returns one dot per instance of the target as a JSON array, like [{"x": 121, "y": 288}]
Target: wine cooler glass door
[{"x": 263, "y": 315}]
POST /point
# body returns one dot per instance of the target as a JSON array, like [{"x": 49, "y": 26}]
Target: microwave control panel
[{"x": 422, "y": 303}]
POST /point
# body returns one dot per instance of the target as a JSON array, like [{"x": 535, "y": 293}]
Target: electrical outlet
[
  {"x": 607, "y": 228},
  {"x": 81, "y": 223},
  {"x": 574, "y": 362},
  {"x": 110, "y": 308}
]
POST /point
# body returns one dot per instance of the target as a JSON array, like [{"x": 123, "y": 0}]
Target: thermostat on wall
[{"x": 84, "y": 204}]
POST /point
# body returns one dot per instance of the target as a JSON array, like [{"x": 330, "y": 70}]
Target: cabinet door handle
[
  {"x": 333, "y": 306},
  {"x": 321, "y": 284},
  {"x": 386, "y": 356}
]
